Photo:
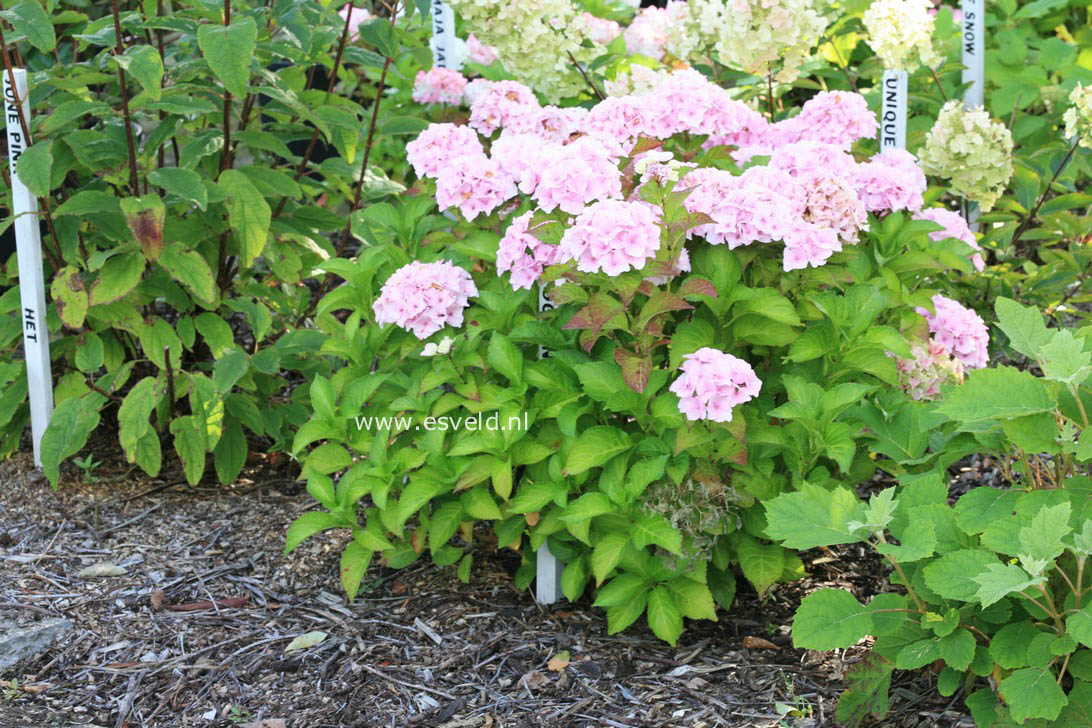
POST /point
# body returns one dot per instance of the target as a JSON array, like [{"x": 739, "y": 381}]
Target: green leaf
[
  {"x": 957, "y": 649},
  {"x": 1042, "y": 539},
  {"x": 35, "y": 166},
  {"x": 30, "y": 19},
  {"x": 1033, "y": 693},
  {"x": 229, "y": 455},
  {"x": 354, "y": 563},
  {"x": 664, "y": 617},
  {"x": 189, "y": 443},
  {"x": 70, "y": 296},
  {"x": 306, "y": 526},
  {"x": 814, "y": 516},
  {"x": 829, "y": 619},
  {"x": 623, "y": 615},
  {"x": 1065, "y": 360},
  {"x": 228, "y": 51},
  {"x": 952, "y": 575},
  {"x": 1000, "y": 580},
  {"x": 574, "y": 577},
  {"x": 1023, "y": 325},
  {"x": 248, "y": 214},
  {"x": 505, "y": 357},
  {"x": 762, "y": 564},
  {"x": 1079, "y": 625},
  {"x": 620, "y": 590},
  {"x": 917, "y": 542},
  {"x": 72, "y": 423},
  {"x": 867, "y": 685},
  {"x": 918, "y": 654},
  {"x": 693, "y": 598},
  {"x": 183, "y": 183},
  {"x": 134, "y": 414},
  {"x": 143, "y": 63},
  {"x": 978, "y": 508},
  {"x": 607, "y": 553},
  {"x": 1009, "y": 646},
  {"x": 594, "y": 448},
  {"x": 118, "y": 275},
  {"x": 444, "y": 523},
  {"x": 999, "y": 393},
  {"x": 587, "y": 506},
  {"x": 654, "y": 529},
  {"x": 229, "y": 369},
  {"x": 480, "y": 506},
  {"x": 88, "y": 202},
  {"x": 191, "y": 270}
]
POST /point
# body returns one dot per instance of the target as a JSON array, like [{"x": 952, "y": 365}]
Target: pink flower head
[
  {"x": 832, "y": 203},
  {"x": 931, "y": 366},
  {"x": 712, "y": 383},
  {"x": 425, "y": 297},
  {"x": 523, "y": 255},
  {"x": 439, "y": 86},
  {"x": 808, "y": 244},
  {"x": 738, "y": 125},
  {"x": 559, "y": 124},
  {"x": 890, "y": 181},
  {"x": 687, "y": 101},
  {"x": 622, "y": 118},
  {"x": 805, "y": 160},
  {"x": 959, "y": 330},
  {"x": 437, "y": 145},
  {"x": 475, "y": 184},
  {"x": 479, "y": 52},
  {"x": 612, "y": 237},
  {"x": 759, "y": 206},
  {"x": 523, "y": 156},
  {"x": 576, "y": 174},
  {"x": 504, "y": 104},
  {"x": 647, "y": 33},
  {"x": 596, "y": 29},
  {"x": 954, "y": 227},
  {"x": 476, "y": 88},
  {"x": 356, "y": 18},
  {"x": 834, "y": 117}
]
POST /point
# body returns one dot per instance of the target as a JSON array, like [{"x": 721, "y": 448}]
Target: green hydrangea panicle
[
  {"x": 972, "y": 151},
  {"x": 1078, "y": 117},
  {"x": 900, "y": 32}
]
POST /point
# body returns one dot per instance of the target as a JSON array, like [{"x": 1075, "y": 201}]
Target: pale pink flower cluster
[
  {"x": 931, "y": 366},
  {"x": 435, "y": 147},
  {"x": 425, "y": 297},
  {"x": 712, "y": 383},
  {"x": 833, "y": 117},
  {"x": 806, "y": 160},
  {"x": 832, "y": 203},
  {"x": 356, "y": 18},
  {"x": 809, "y": 244},
  {"x": 479, "y": 52},
  {"x": 961, "y": 331},
  {"x": 954, "y": 227},
  {"x": 647, "y": 32},
  {"x": 612, "y": 237},
  {"x": 572, "y": 175},
  {"x": 523, "y": 255},
  {"x": 596, "y": 29},
  {"x": 759, "y": 206},
  {"x": 475, "y": 184},
  {"x": 439, "y": 86},
  {"x": 891, "y": 181},
  {"x": 503, "y": 104}
]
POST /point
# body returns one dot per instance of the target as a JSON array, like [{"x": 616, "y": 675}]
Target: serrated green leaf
[
  {"x": 29, "y": 18},
  {"x": 354, "y": 563},
  {"x": 829, "y": 619},
  {"x": 1000, "y": 580},
  {"x": 664, "y": 616},
  {"x": 35, "y": 166},
  {"x": 1033, "y": 693},
  {"x": 952, "y": 575},
  {"x": 998, "y": 393},
  {"x": 814, "y": 516},
  {"x": 595, "y": 447},
  {"x": 307, "y": 525},
  {"x": 183, "y": 183},
  {"x": 607, "y": 553},
  {"x": 228, "y": 51}
]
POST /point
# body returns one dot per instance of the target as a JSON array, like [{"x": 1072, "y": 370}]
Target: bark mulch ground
[{"x": 195, "y": 632}]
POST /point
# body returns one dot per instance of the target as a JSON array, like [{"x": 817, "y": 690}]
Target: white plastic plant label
[
  {"x": 973, "y": 45},
  {"x": 28, "y": 242},
  {"x": 447, "y": 49},
  {"x": 893, "y": 110},
  {"x": 548, "y": 568}
]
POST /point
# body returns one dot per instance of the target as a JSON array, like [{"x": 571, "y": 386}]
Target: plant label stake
[
  {"x": 973, "y": 44},
  {"x": 548, "y": 568},
  {"x": 28, "y": 240},
  {"x": 445, "y": 45},
  {"x": 893, "y": 110}
]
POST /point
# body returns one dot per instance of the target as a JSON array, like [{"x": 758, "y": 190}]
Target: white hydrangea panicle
[
  {"x": 900, "y": 33},
  {"x": 972, "y": 151}
]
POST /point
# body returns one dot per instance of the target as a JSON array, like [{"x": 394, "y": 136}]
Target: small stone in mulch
[{"x": 18, "y": 643}]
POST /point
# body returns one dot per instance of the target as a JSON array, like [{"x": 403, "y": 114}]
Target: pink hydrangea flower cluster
[
  {"x": 425, "y": 297},
  {"x": 439, "y": 86},
  {"x": 479, "y": 52},
  {"x": 931, "y": 366},
  {"x": 573, "y": 175},
  {"x": 475, "y": 184},
  {"x": 596, "y": 29},
  {"x": 890, "y": 181},
  {"x": 646, "y": 34},
  {"x": 612, "y": 237},
  {"x": 712, "y": 383},
  {"x": 759, "y": 206},
  {"x": 958, "y": 329},
  {"x": 832, "y": 203},
  {"x": 503, "y": 104},
  {"x": 954, "y": 227},
  {"x": 838, "y": 118},
  {"x": 435, "y": 147},
  {"x": 806, "y": 160},
  {"x": 356, "y": 18},
  {"x": 523, "y": 255}
]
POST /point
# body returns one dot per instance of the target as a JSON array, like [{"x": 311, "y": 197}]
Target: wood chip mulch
[{"x": 195, "y": 632}]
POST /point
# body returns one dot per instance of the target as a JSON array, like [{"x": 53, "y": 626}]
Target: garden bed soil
[{"x": 195, "y": 632}]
